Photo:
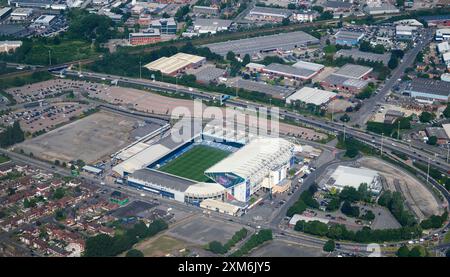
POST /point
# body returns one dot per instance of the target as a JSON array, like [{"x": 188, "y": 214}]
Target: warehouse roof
[
  {"x": 443, "y": 47},
  {"x": 353, "y": 71},
  {"x": 337, "y": 4},
  {"x": 352, "y": 176},
  {"x": 162, "y": 179},
  {"x": 349, "y": 35},
  {"x": 169, "y": 65},
  {"x": 308, "y": 65},
  {"x": 218, "y": 23},
  {"x": 289, "y": 70},
  {"x": 438, "y": 132},
  {"x": 357, "y": 54},
  {"x": 430, "y": 86},
  {"x": 311, "y": 96},
  {"x": 446, "y": 129},
  {"x": 284, "y": 41},
  {"x": 271, "y": 11},
  {"x": 44, "y": 19},
  {"x": 274, "y": 90}
]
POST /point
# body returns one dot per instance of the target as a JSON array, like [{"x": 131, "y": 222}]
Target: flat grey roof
[
  {"x": 283, "y": 41},
  {"x": 276, "y": 91},
  {"x": 271, "y": 11},
  {"x": 337, "y": 4},
  {"x": 438, "y": 132},
  {"x": 430, "y": 86},
  {"x": 348, "y": 35},
  {"x": 206, "y": 74},
  {"x": 289, "y": 70},
  {"x": 222, "y": 23},
  {"x": 162, "y": 179},
  {"x": 356, "y": 54},
  {"x": 353, "y": 71},
  {"x": 335, "y": 79}
]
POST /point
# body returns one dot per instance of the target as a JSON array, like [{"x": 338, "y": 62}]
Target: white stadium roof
[
  {"x": 311, "y": 96},
  {"x": 204, "y": 190},
  {"x": 256, "y": 158},
  {"x": 142, "y": 159}
]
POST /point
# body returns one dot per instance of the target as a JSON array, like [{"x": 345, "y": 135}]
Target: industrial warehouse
[
  {"x": 216, "y": 163},
  {"x": 252, "y": 46}
]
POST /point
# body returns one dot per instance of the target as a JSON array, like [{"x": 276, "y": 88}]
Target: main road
[
  {"x": 437, "y": 161},
  {"x": 361, "y": 116}
]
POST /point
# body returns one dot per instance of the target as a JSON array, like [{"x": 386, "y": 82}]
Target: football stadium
[{"x": 222, "y": 166}]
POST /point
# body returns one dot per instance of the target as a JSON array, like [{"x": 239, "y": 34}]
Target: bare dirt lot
[
  {"x": 89, "y": 139},
  {"x": 203, "y": 230},
  {"x": 153, "y": 103},
  {"x": 418, "y": 198}
]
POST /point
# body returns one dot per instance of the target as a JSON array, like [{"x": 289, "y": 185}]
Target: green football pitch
[{"x": 194, "y": 162}]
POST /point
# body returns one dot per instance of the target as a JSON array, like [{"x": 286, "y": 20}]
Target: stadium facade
[{"x": 253, "y": 163}]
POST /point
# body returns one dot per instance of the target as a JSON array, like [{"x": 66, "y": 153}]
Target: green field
[{"x": 194, "y": 162}]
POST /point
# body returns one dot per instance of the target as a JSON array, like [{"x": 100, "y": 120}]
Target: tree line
[
  {"x": 218, "y": 248},
  {"x": 254, "y": 241},
  {"x": 11, "y": 135}
]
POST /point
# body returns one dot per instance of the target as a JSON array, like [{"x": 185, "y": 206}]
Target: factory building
[
  {"x": 166, "y": 26},
  {"x": 304, "y": 16},
  {"x": 311, "y": 96},
  {"x": 442, "y": 34},
  {"x": 21, "y": 14},
  {"x": 345, "y": 176},
  {"x": 45, "y": 20},
  {"x": 350, "y": 78},
  {"x": 148, "y": 36},
  {"x": 9, "y": 45},
  {"x": 268, "y": 14},
  {"x": 257, "y": 45},
  {"x": 211, "y": 26},
  {"x": 175, "y": 64},
  {"x": 348, "y": 38},
  {"x": 356, "y": 54},
  {"x": 288, "y": 71},
  {"x": 205, "y": 10},
  {"x": 5, "y": 12},
  {"x": 42, "y": 4},
  {"x": 428, "y": 90}
]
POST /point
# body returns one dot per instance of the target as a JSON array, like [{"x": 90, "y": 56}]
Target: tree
[
  {"x": 217, "y": 247},
  {"x": 231, "y": 56},
  {"x": 416, "y": 251},
  {"x": 57, "y": 162},
  {"x": 403, "y": 251},
  {"x": 246, "y": 59},
  {"x": 426, "y": 117},
  {"x": 345, "y": 118},
  {"x": 447, "y": 254},
  {"x": 329, "y": 246},
  {"x": 349, "y": 210},
  {"x": 446, "y": 112},
  {"x": 369, "y": 216},
  {"x": 134, "y": 253},
  {"x": 432, "y": 140},
  {"x": 393, "y": 62},
  {"x": 351, "y": 152},
  {"x": 285, "y": 21}
]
